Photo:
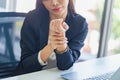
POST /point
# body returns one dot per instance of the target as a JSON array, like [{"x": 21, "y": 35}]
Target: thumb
[{"x": 65, "y": 26}]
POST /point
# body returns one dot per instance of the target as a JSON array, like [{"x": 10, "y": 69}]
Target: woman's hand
[{"x": 57, "y": 38}]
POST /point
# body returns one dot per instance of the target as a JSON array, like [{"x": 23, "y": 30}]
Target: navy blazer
[{"x": 34, "y": 37}]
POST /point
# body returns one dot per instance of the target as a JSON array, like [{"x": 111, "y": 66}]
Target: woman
[{"x": 52, "y": 35}]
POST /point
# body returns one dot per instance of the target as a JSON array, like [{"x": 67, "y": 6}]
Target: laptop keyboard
[{"x": 105, "y": 76}]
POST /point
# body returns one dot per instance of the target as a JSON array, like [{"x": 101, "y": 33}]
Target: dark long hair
[{"x": 71, "y": 7}]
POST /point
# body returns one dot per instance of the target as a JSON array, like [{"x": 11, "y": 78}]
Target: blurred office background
[{"x": 103, "y": 19}]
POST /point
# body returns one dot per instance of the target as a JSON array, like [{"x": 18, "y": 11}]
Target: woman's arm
[
  {"x": 29, "y": 53},
  {"x": 66, "y": 59}
]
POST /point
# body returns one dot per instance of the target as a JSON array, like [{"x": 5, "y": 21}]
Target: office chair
[{"x": 8, "y": 61}]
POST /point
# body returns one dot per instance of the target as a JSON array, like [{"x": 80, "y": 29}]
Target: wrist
[
  {"x": 46, "y": 52},
  {"x": 41, "y": 61},
  {"x": 62, "y": 49},
  {"x": 51, "y": 47}
]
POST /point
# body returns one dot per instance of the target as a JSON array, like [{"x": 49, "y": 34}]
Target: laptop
[{"x": 106, "y": 76}]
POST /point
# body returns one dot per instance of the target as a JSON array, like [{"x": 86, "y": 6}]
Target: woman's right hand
[
  {"x": 57, "y": 34},
  {"x": 54, "y": 31}
]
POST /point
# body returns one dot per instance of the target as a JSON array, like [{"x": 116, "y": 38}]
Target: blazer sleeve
[
  {"x": 66, "y": 60},
  {"x": 29, "y": 53}
]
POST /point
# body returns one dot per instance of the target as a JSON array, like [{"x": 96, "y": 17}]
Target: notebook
[{"x": 105, "y": 76}]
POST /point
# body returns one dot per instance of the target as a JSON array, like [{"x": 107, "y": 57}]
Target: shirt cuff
[{"x": 40, "y": 60}]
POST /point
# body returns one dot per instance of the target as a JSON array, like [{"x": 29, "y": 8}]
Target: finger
[
  {"x": 56, "y": 39},
  {"x": 58, "y": 43},
  {"x": 54, "y": 24},
  {"x": 60, "y": 39},
  {"x": 61, "y": 27},
  {"x": 58, "y": 24},
  {"x": 51, "y": 25},
  {"x": 60, "y": 21},
  {"x": 58, "y": 36},
  {"x": 65, "y": 26},
  {"x": 52, "y": 32}
]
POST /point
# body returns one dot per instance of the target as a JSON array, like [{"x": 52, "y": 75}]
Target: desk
[{"x": 86, "y": 68}]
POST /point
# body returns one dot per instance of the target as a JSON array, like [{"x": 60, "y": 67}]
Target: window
[
  {"x": 93, "y": 13},
  {"x": 25, "y": 5},
  {"x": 2, "y": 4},
  {"x": 114, "y": 39},
  {"x": 17, "y": 5}
]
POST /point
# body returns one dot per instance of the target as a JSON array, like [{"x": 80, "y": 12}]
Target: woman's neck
[{"x": 63, "y": 16}]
